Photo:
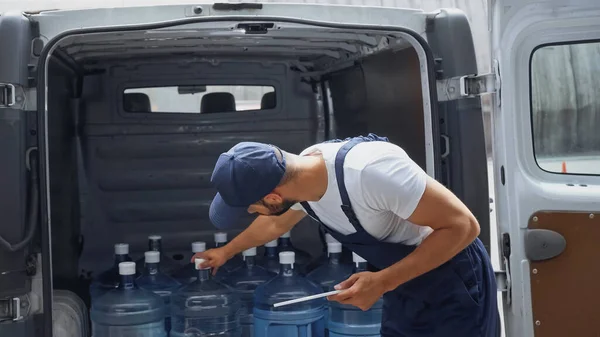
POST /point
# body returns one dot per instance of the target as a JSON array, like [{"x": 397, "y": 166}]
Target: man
[{"x": 432, "y": 270}]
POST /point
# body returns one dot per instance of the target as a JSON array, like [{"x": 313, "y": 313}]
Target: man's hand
[
  {"x": 214, "y": 258},
  {"x": 361, "y": 290}
]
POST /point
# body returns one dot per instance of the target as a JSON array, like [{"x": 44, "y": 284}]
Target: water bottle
[
  {"x": 270, "y": 259},
  {"x": 245, "y": 280},
  {"x": 304, "y": 319},
  {"x": 187, "y": 273},
  {"x": 152, "y": 279},
  {"x": 110, "y": 278},
  {"x": 205, "y": 307},
  {"x": 168, "y": 265},
  {"x": 232, "y": 264},
  {"x": 347, "y": 320},
  {"x": 346, "y": 257},
  {"x": 128, "y": 310},
  {"x": 302, "y": 258},
  {"x": 334, "y": 272}
]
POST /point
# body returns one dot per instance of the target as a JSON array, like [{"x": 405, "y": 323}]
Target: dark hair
[{"x": 290, "y": 170}]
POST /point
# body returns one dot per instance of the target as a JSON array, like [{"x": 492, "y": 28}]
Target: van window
[
  {"x": 565, "y": 107},
  {"x": 199, "y": 99}
]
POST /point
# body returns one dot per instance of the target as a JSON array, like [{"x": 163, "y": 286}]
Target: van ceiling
[{"x": 305, "y": 48}]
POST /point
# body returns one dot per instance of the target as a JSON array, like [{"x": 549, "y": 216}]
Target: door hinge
[
  {"x": 503, "y": 278},
  {"x": 459, "y": 87},
  {"x": 7, "y": 95}
]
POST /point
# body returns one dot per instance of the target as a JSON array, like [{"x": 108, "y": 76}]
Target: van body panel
[
  {"x": 53, "y": 23},
  {"x": 528, "y": 195}
]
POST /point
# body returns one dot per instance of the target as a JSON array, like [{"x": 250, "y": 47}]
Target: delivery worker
[{"x": 433, "y": 272}]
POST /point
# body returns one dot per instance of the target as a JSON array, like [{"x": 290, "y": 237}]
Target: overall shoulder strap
[
  {"x": 310, "y": 211},
  {"x": 339, "y": 175}
]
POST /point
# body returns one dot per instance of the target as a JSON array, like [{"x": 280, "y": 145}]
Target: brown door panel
[{"x": 565, "y": 289}]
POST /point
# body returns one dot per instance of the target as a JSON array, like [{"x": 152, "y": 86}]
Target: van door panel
[
  {"x": 546, "y": 162},
  {"x": 15, "y": 31},
  {"x": 564, "y": 289},
  {"x": 463, "y": 161}
]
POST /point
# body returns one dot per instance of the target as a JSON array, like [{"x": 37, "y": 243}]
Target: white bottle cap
[
  {"x": 220, "y": 237},
  {"x": 249, "y": 252},
  {"x": 127, "y": 268},
  {"x": 152, "y": 257},
  {"x": 271, "y": 243},
  {"x": 198, "y": 262},
  {"x": 121, "y": 249},
  {"x": 329, "y": 238},
  {"x": 287, "y": 258},
  {"x": 198, "y": 246},
  {"x": 286, "y": 234},
  {"x": 154, "y": 237},
  {"x": 356, "y": 258},
  {"x": 334, "y": 247}
]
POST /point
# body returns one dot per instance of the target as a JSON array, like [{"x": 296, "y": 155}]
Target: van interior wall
[
  {"x": 62, "y": 162},
  {"x": 383, "y": 95},
  {"x": 119, "y": 176},
  {"x": 149, "y": 173}
]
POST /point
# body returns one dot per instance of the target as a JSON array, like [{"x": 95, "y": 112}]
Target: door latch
[
  {"x": 10, "y": 309},
  {"x": 7, "y": 95}
]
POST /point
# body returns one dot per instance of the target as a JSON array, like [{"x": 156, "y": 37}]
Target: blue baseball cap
[{"x": 242, "y": 176}]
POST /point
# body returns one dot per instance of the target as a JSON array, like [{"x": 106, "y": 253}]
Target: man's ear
[{"x": 273, "y": 198}]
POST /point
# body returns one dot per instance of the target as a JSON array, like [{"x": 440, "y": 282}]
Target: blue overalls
[{"x": 456, "y": 299}]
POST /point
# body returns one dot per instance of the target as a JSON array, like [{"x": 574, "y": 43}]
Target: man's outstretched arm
[{"x": 262, "y": 230}]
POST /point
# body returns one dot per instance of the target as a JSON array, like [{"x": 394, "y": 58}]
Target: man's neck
[{"x": 311, "y": 183}]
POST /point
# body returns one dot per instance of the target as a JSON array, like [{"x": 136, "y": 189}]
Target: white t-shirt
[{"x": 384, "y": 185}]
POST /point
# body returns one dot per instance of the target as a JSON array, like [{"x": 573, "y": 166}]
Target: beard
[{"x": 276, "y": 210}]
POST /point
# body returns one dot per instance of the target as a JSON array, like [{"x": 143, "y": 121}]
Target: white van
[{"x": 111, "y": 121}]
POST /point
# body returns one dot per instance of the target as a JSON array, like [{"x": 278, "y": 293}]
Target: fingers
[
  {"x": 200, "y": 255},
  {"x": 344, "y": 295},
  {"x": 347, "y": 283}
]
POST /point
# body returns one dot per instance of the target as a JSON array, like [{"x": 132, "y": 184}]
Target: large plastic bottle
[
  {"x": 302, "y": 258},
  {"x": 304, "y": 319},
  {"x": 229, "y": 266},
  {"x": 346, "y": 257},
  {"x": 334, "y": 271},
  {"x": 110, "y": 278},
  {"x": 168, "y": 265},
  {"x": 187, "y": 273},
  {"x": 270, "y": 259},
  {"x": 205, "y": 307},
  {"x": 347, "y": 320},
  {"x": 128, "y": 310},
  {"x": 152, "y": 279},
  {"x": 245, "y": 280}
]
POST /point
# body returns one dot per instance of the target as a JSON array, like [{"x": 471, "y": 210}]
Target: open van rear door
[
  {"x": 19, "y": 198},
  {"x": 546, "y": 148}
]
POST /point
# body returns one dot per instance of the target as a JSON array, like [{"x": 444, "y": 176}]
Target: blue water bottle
[
  {"x": 152, "y": 279},
  {"x": 270, "y": 259},
  {"x": 110, "y": 278},
  {"x": 245, "y": 280},
  {"x": 304, "y": 319},
  {"x": 187, "y": 274},
  {"x": 128, "y": 310},
  {"x": 349, "y": 321},
  {"x": 205, "y": 307}
]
